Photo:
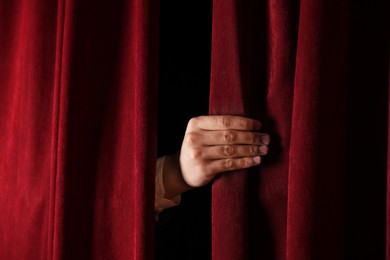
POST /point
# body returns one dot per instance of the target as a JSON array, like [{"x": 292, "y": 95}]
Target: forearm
[
  {"x": 174, "y": 183},
  {"x": 164, "y": 166}
]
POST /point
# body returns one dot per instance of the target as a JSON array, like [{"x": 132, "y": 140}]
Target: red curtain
[
  {"x": 316, "y": 73},
  {"x": 78, "y": 119},
  {"x": 78, "y": 116}
]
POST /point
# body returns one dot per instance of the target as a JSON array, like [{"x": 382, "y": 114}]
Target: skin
[{"x": 213, "y": 145}]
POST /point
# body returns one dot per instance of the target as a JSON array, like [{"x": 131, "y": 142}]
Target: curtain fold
[
  {"x": 79, "y": 118},
  {"x": 78, "y": 129},
  {"x": 315, "y": 194},
  {"x": 316, "y": 75},
  {"x": 229, "y": 196}
]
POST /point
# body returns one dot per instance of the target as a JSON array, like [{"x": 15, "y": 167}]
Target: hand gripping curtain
[
  {"x": 77, "y": 125},
  {"x": 78, "y": 83},
  {"x": 316, "y": 73}
]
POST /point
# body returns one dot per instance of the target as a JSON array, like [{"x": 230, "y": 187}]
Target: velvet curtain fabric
[
  {"x": 316, "y": 74},
  {"x": 78, "y": 129}
]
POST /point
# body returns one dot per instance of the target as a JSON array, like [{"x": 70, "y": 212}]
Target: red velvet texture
[
  {"x": 78, "y": 120},
  {"x": 316, "y": 74}
]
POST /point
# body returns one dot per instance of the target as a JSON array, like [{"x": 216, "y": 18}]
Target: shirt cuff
[{"x": 161, "y": 203}]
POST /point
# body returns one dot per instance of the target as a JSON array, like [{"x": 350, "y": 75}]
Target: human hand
[
  {"x": 212, "y": 145},
  {"x": 216, "y": 144}
]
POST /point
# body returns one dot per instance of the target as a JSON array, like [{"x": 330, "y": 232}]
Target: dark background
[{"x": 183, "y": 232}]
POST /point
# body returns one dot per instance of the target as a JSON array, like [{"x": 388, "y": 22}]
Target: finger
[
  {"x": 231, "y": 137},
  {"x": 228, "y": 151},
  {"x": 230, "y": 164},
  {"x": 224, "y": 122}
]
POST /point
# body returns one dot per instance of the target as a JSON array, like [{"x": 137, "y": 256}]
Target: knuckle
[
  {"x": 193, "y": 122},
  {"x": 228, "y": 137},
  {"x": 252, "y": 149},
  {"x": 253, "y": 138},
  {"x": 228, "y": 150},
  {"x": 191, "y": 138},
  {"x": 228, "y": 163},
  {"x": 247, "y": 162},
  {"x": 243, "y": 163},
  {"x": 244, "y": 124},
  {"x": 224, "y": 121}
]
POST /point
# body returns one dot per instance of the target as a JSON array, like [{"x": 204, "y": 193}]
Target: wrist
[{"x": 173, "y": 180}]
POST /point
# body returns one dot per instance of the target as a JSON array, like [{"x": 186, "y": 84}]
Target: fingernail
[
  {"x": 265, "y": 139},
  {"x": 256, "y": 159},
  {"x": 263, "y": 149}
]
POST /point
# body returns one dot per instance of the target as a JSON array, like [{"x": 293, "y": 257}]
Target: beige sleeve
[{"x": 161, "y": 203}]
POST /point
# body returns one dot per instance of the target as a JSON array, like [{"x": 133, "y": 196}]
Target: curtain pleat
[
  {"x": 316, "y": 75},
  {"x": 78, "y": 137},
  {"x": 78, "y": 120},
  {"x": 228, "y": 193},
  {"x": 26, "y": 97}
]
